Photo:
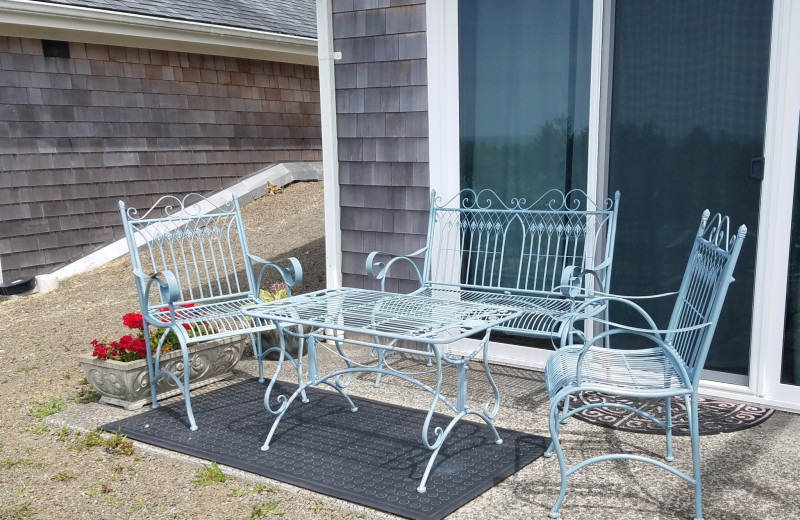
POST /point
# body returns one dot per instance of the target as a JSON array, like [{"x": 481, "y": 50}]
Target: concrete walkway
[{"x": 748, "y": 474}]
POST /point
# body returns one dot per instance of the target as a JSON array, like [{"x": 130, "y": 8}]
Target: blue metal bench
[
  {"x": 196, "y": 254},
  {"x": 541, "y": 258}
]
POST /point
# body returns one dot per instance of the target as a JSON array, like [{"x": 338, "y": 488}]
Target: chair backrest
[
  {"x": 477, "y": 240},
  {"x": 203, "y": 245},
  {"x": 708, "y": 274}
]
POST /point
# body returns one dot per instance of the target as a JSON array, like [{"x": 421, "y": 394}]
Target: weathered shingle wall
[
  {"x": 77, "y": 134},
  {"x": 382, "y": 125}
]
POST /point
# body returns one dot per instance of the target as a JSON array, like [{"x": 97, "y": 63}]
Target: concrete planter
[{"x": 127, "y": 384}]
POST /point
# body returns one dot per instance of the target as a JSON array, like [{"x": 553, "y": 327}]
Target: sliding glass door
[
  {"x": 688, "y": 107},
  {"x": 682, "y": 108}
]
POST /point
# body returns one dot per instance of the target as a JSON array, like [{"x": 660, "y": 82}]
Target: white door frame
[{"x": 780, "y": 151}]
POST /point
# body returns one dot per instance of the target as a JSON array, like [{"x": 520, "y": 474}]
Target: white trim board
[
  {"x": 26, "y": 19},
  {"x": 246, "y": 190},
  {"x": 330, "y": 149}
]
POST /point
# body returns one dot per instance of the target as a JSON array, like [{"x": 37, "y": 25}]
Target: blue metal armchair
[
  {"x": 196, "y": 255},
  {"x": 667, "y": 365}
]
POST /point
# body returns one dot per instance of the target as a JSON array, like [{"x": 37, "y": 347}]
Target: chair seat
[
  {"x": 208, "y": 321},
  {"x": 621, "y": 372},
  {"x": 541, "y": 313}
]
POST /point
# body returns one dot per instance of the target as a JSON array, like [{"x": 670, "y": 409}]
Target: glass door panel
[
  {"x": 524, "y": 95},
  {"x": 790, "y": 361},
  {"x": 688, "y": 109}
]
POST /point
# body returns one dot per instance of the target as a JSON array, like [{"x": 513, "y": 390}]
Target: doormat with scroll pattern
[
  {"x": 373, "y": 456},
  {"x": 716, "y": 415}
]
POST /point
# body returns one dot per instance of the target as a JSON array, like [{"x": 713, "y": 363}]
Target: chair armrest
[
  {"x": 379, "y": 270},
  {"x": 168, "y": 289},
  {"x": 292, "y": 275}
]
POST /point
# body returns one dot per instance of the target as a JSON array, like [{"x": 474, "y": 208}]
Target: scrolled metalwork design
[
  {"x": 717, "y": 231},
  {"x": 552, "y": 200},
  {"x": 171, "y": 206}
]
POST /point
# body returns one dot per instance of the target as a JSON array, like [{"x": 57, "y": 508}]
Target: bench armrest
[
  {"x": 292, "y": 275},
  {"x": 573, "y": 281},
  {"x": 379, "y": 270}
]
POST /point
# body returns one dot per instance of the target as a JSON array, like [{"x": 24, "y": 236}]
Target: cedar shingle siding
[
  {"x": 382, "y": 125},
  {"x": 79, "y": 133}
]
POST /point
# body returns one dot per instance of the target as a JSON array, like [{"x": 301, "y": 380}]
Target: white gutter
[
  {"x": 26, "y": 19},
  {"x": 330, "y": 153}
]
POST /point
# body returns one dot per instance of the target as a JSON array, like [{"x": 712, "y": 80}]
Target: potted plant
[
  {"x": 118, "y": 369},
  {"x": 271, "y": 338}
]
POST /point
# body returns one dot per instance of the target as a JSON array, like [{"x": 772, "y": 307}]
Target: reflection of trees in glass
[
  {"x": 527, "y": 166},
  {"x": 665, "y": 185}
]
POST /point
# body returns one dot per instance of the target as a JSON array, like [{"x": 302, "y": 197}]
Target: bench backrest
[
  {"x": 477, "y": 240},
  {"x": 203, "y": 245}
]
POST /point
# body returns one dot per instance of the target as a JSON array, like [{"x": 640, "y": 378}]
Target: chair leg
[
  {"x": 151, "y": 369},
  {"x": 694, "y": 432},
  {"x": 564, "y": 409},
  {"x": 555, "y": 426},
  {"x": 668, "y": 425}
]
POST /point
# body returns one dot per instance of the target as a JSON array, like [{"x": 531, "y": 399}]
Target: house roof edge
[{"x": 29, "y": 19}]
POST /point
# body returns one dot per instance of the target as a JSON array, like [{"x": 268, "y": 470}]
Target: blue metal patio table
[{"x": 385, "y": 322}]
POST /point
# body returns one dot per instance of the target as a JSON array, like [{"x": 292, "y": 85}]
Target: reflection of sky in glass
[{"x": 516, "y": 66}]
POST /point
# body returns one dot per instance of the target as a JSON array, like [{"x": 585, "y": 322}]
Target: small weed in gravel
[
  {"x": 252, "y": 490},
  {"x": 16, "y": 512},
  {"x": 117, "y": 443},
  {"x": 136, "y": 506},
  {"x": 37, "y": 429},
  {"x": 84, "y": 442},
  {"x": 207, "y": 475},
  {"x": 64, "y": 476},
  {"x": 86, "y": 395},
  {"x": 63, "y": 434},
  {"x": 47, "y": 408},
  {"x": 24, "y": 369},
  {"x": 262, "y": 510},
  {"x": 20, "y": 492},
  {"x": 10, "y": 463},
  {"x": 316, "y": 506}
]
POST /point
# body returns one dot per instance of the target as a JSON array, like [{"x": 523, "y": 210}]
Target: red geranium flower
[
  {"x": 133, "y": 346},
  {"x": 133, "y": 320}
]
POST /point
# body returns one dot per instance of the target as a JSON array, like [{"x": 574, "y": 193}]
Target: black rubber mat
[{"x": 372, "y": 457}]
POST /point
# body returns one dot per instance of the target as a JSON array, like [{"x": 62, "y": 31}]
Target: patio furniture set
[{"x": 539, "y": 270}]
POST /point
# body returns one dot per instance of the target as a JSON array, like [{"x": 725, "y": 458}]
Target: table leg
[{"x": 462, "y": 407}]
